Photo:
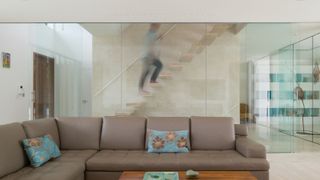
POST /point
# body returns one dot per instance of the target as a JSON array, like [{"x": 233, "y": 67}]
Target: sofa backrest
[
  {"x": 41, "y": 127},
  {"x": 12, "y": 157},
  {"x": 167, "y": 124},
  {"x": 212, "y": 133},
  {"x": 79, "y": 133},
  {"x": 240, "y": 130},
  {"x": 123, "y": 133}
]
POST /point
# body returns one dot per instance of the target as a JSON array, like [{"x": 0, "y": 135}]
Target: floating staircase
[{"x": 192, "y": 45}]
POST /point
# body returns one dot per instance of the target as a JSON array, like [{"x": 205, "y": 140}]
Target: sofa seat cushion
[
  {"x": 221, "y": 160},
  {"x": 77, "y": 156},
  {"x": 53, "y": 170},
  {"x": 108, "y": 160}
]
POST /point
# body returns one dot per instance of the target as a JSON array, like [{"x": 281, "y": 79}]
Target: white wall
[
  {"x": 160, "y": 11},
  {"x": 68, "y": 44},
  {"x": 15, "y": 40}
]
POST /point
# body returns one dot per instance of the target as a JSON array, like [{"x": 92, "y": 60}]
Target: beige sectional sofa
[{"x": 102, "y": 148}]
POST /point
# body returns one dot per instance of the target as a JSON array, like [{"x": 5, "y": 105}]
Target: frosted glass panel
[{"x": 67, "y": 91}]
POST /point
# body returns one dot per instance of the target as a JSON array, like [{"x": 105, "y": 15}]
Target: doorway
[{"x": 43, "y": 86}]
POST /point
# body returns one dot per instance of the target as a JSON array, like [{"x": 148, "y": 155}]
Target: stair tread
[
  {"x": 165, "y": 75},
  {"x": 147, "y": 95},
  {"x": 187, "y": 57},
  {"x": 175, "y": 65}
]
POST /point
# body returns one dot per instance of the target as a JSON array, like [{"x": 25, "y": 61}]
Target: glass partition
[
  {"x": 288, "y": 81},
  {"x": 303, "y": 89},
  {"x": 316, "y": 88},
  {"x": 282, "y": 77},
  {"x": 273, "y": 99},
  {"x": 194, "y": 70},
  {"x": 107, "y": 67}
]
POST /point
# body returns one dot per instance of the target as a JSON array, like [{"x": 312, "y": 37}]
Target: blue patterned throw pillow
[
  {"x": 40, "y": 150},
  {"x": 168, "y": 141}
]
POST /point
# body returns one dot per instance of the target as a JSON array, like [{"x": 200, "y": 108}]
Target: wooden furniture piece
[
  {"x": 204, "y": 175},
  {"x": 244, "y": 112}
]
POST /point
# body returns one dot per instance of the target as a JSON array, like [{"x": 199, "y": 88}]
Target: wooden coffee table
[{"x": 204, "y": 175}]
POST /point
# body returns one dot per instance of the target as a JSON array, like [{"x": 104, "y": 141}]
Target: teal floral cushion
[
  {"x": 40, "y": 150},
  {"x": 168, "y": 141}
]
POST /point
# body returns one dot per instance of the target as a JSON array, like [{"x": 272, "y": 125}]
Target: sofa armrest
[{"x": 250, "y": 148}]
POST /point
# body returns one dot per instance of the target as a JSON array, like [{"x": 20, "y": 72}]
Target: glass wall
[
  {"x": 198, "y": 64},
  {"x": 286, "y": 89},
  {"x": 69, "y": 46},
  {"x": 316, "y": 88}
]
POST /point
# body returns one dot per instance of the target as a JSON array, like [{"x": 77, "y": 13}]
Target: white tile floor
[
  {"x": 302, "y": 163},
  {"x": 294, "y": 166}
]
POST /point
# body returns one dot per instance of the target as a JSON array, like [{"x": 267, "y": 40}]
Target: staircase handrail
[{"x": 131, "y": 64}]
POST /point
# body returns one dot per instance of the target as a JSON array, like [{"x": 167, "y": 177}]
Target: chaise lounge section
[{"x": 102, "y": 148}]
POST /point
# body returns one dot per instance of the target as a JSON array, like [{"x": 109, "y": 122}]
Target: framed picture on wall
[{"x": 6, "y": 60}]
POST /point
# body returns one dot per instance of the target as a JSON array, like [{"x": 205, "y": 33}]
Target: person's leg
[
  {"x": 157, "y": 63},
  {"x": 143, "y": 77}
]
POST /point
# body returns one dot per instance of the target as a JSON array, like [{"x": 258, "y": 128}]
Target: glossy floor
[{"x": 290, "y": 158}]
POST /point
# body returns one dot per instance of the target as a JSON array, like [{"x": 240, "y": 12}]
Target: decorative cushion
[
  {"x": 167, "y": 124},
  {"x": 40, "y": 150},
  {"x": 168, "y": 141}
]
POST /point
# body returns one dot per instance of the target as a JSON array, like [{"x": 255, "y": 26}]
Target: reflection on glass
[
  {"x": 286, "y": 92},
  {"x": 303, "y": 106},
  {"x": 316, "y": 88}
]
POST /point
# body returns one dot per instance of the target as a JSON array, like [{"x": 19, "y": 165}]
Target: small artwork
[{"x": 6, "y": 60}]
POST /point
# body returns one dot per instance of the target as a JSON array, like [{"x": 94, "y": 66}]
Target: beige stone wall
[{"x": 207, "y": 85}]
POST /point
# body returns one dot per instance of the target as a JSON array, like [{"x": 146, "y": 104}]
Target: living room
[{"x": 137, "y": 93}]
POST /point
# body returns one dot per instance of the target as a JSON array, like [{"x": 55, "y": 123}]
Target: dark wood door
[{"x": 43, "y": 86}]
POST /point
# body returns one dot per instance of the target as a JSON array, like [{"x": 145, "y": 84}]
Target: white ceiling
[{"x": 159, "y": 11}]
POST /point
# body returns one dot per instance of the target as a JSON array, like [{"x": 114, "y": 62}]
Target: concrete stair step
[
  {"x": 146, "y": 95},
  {"x": 134, "y": 104},
  {"x": 166, "y": 75},
  {"x": 175, "y": 66},
  {"x": 187, "y": 57},
  {"x": 197, "y": 48},
  {"x": 209, "y": 38},
  {"x": 155, "y": 85},
  {"x": 221, "y": 28},
  {"x": 205, "y": 42}
]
